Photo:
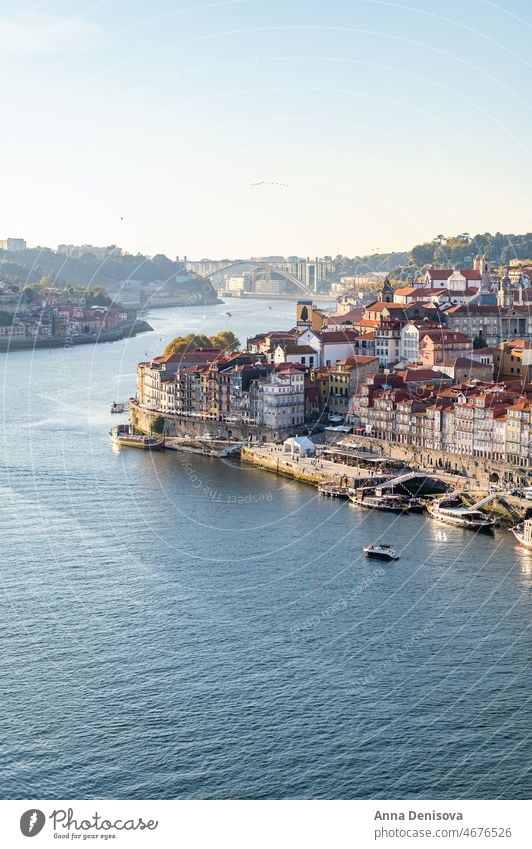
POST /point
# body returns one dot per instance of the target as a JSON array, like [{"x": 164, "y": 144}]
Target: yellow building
[
  {"x": 308, "y": 315},
  {"x": 345, "y": 378},
  {"x": 513, "y": 361}
]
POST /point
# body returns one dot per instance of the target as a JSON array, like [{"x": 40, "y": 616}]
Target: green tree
[
  {"x": 97, "y": 297},
  {"x": 226, "y": 339},
  {"x": 29, "y": 294},
  {"x": 187, "y": 343},
  {"x": 479, "y": 342},
  {"x": 422, "y": 254},
  {"x": 157, "y": 424}
]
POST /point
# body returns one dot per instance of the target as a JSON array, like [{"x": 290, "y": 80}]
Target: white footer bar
[{"x": 258, "y": 824}]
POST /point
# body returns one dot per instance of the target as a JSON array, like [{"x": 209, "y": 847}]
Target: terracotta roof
[
  {"x": 347, "y": 317},
  {"x": 522, "y": 404},
  {"x": 355, "y": 360},
  {"x": 419, "y": 374},
  {"x": 465, "y": 362},
  {"x": 407, "y": 290},
  {"x": 445, "y": 273},
  {"x": 369, "y": 322},
  {"x": 379, "y": 306},
  {"x": 522, "y": 344},
  {"x": 444, "y": 334},
  {"x": 479, "y": 309}
]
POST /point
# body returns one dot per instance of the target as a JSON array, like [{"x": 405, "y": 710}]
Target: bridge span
[{"x": 266, "y": 266}]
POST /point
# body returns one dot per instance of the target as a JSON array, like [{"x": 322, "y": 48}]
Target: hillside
[
  {"x": 31, "y": 265},
  {"x": 447, "y": 251}
]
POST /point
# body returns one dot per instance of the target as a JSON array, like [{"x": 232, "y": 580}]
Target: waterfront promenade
[
  {"x": 312, "y": 470},
  {"x": 317, "y": 470}
]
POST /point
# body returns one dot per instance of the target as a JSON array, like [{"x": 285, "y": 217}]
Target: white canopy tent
[{"x": 299, "y": 446}]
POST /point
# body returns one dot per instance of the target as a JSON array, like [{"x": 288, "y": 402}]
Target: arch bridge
[{"x": 266, "y": 266}]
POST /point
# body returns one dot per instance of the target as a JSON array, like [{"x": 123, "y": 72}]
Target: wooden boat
[
  {"x": 450, "y": 511},
  {"x": 393, "y": 503},
  {"x": 381, "y": 552},
  {"x": 124, "y": 436},
  {"x": 333, "y": 490},
  {"x": 523, "y": 533}
]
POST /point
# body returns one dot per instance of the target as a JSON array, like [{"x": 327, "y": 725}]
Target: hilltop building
[{"x": 13, "y": 245}]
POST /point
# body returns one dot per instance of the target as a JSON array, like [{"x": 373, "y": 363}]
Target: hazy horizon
[{"x": 244, "y": 128}]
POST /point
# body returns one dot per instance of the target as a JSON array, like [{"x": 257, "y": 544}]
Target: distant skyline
[{"x": 259, "y": 127}]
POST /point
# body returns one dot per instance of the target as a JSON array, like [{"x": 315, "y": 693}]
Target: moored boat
[
  {"x": 119, "y": 407},
  {"x": 393, "y": 503},
  {"x": 451, "y": 511},
  {"x": 333, "y": 490},
  {"x": 124, "y": 436},
  {"x": 523, "y": 533},
  {"x": 382, "y": 551}
]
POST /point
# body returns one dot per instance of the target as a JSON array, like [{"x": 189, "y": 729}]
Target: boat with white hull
[
  {"x": 381, "y": 552},
  {"x": 333, "y": 490},
  {"x": 523, "y": 533},
  {"x": 451, "y": 512},
  {"x": 392, "y": 503},
  {"x": 125, "y": 436}
]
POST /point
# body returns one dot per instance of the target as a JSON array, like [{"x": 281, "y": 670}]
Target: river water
[{"x": 189, "y": 628}]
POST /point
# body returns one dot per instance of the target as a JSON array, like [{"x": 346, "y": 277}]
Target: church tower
[
  {"x": 386, "y": 294},
  {"x": 504, "y": 294},
  {"x": 485, "y": 266}
]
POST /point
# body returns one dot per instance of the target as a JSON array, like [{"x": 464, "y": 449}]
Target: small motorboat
[
  {"x": 119, "y": 407},
  {"x": 383, "y": 551}
]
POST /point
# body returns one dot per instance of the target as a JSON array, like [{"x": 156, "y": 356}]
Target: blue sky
[{"x": 262, "y": 127}]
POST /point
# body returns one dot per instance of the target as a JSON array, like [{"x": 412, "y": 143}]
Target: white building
[
  {"x": 168, "y": 388},
  {"x": 80, "y": 250},
  {"x": 235, "y": 284},
  {"x": 409, "y": 343},
  {"x": 12, "y": 244},
  {"x": 13, "y": 331},
  {"x": 455, "y": 279},
  {"x": 282, "y": 400},
  {"x": 304, "y": 355},
  {"x": 387, "y": 339},
  {"x": 331, "y": 346}
]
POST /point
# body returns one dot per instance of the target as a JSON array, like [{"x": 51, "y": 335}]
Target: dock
[
  {"x": 207, "y": 447},
  {"x": 319, "y": 470},
  {"x": 310, "y": 470}
]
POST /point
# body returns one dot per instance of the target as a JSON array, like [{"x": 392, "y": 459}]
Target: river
[{"x": 177, "y": 627}]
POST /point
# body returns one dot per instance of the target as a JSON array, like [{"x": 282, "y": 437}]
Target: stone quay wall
[
  {"x": 183, "y": 425},
  {"x": 485, "y": 471}
]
